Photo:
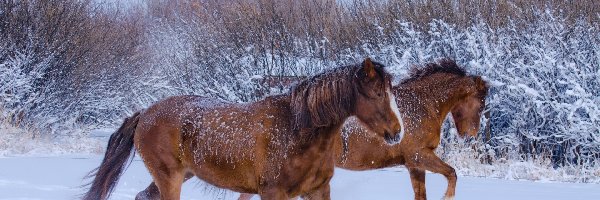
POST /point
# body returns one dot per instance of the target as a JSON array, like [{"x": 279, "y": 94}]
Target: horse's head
[
  {"x": 375, "y": 104},
  {"x": 467, "y": 113}
]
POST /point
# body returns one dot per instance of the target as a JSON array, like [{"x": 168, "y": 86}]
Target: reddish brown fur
[
  {"x": 279, "y": 147},
  {"x": 424, "y": 100}
]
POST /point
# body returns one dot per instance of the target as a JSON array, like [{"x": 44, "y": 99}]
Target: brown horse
[
  {"x": 427, "y": 96},
  {"x": 279, "y": 147}
]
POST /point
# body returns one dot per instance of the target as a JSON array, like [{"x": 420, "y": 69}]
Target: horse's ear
[
  {"x": 369, "y": 68},
  {"x": 480, "y": 83}
]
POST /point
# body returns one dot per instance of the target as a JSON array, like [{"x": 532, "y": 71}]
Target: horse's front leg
[
  {"x": 417, "y": 179},
  {"x": 321, "y": 193},
  {"x": 273, "y": 194},
  {"x": 247, "y": 196},
  {"x": 427, "y": 160}
]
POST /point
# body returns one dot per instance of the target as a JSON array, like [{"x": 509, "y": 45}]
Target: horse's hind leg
[
  {"x": 322, "y": 193},
  {"x": 245, "y": 196},
  {"x": 167, "y": 172},
  {"x": 151, "y": 192},
  {"x": 273, "y": 194},
  {"x": 169, "y": 184}
]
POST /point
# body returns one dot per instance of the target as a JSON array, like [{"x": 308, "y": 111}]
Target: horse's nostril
[{"x": 391, "y": 138}]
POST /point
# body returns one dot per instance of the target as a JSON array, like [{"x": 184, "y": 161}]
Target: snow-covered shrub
[
  {"x": 543, "y": 103},
  {"x": 543, "y": 65},
  {"x": 59, "y": 61}
]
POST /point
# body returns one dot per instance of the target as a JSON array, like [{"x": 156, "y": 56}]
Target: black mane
[{"x": 445, "y": 65}]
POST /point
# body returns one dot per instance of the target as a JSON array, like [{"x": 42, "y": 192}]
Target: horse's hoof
[
  {"x": 448, "y": 198},
  {"x": 143, "y": 195}
]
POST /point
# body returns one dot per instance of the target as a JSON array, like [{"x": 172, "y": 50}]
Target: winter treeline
[
  {"x": 59, "y": 61},
  {"x": 70, "y": 64}
]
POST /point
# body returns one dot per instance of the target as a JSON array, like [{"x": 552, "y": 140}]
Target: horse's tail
[{"x": 118, "y": 151}]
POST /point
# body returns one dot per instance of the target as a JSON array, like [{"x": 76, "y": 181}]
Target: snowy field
[{"x": 60, "y": 177}]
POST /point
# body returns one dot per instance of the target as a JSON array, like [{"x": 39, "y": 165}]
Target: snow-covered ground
[{"x": 60, "y": 177}]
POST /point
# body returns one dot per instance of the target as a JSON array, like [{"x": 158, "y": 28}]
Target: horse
[
  {"x": 427, "y": 96},
  {"x": 424, "y": 99},
  {"x": 278, "y": 147}
]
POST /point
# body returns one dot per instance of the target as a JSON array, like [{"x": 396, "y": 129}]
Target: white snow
[
  {"x": 19, "y": 142},
  {"x": 60, "y": 178}
]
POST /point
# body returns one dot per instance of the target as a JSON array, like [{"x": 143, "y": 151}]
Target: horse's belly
[
  {"x": 238, "y": 177},
  {"x": 219, "y": 159}
]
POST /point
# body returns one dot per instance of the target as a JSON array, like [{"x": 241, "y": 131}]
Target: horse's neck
[
  {"x": 429, "y": 99},
  {"x": 319, "y": 136},
  {"x": 309, "y": 136}
]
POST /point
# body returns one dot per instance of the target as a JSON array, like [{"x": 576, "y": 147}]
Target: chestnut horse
[
  {"x": 279, "y": 147},
  {"x": 427, "y": 96}
]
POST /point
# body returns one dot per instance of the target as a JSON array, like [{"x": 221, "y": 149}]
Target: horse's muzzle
[{"x": 391, "y": 139}]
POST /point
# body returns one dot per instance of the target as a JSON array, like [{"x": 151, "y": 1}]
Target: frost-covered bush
[
  {"x": 542, "y": 106},
  {"x": 543, "y": 103},
  {"x": 544, "y": 67},
  {"x": 18, "y": 76},
  {"x": 59, "y": 61},
  {"x": 189, "y": 64}
]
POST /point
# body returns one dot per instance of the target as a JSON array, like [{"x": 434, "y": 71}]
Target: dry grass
[
  {"x": 496, "y": 13},
  {"x": 82, "y": 37},
  {"x": 93, "y": 45},
  {"x": 328, "y": 27}
]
